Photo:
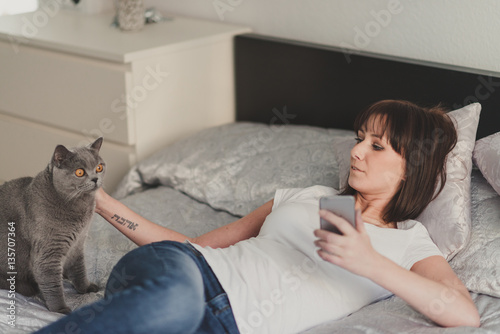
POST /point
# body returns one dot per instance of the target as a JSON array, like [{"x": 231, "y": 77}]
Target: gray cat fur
[{"x": 50, "y": 215}]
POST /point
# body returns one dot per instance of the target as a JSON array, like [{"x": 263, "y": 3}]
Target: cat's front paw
[
  {"x": 92, "y": 288},
  {"x": 63, "y": 310}
]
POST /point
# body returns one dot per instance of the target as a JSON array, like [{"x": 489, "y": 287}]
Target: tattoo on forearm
[{"x": 125, "y": 222}]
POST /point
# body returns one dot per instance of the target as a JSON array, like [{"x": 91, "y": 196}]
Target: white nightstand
[{"x": 67, "y": 78}]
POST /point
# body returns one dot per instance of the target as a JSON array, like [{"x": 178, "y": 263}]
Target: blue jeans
[{"x": 164, "y": 287}]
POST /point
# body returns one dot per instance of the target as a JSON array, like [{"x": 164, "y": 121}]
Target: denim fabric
[{"x": 164, "y": 287}]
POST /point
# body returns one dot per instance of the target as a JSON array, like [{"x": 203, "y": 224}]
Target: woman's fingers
[
  {"x": 332, "y": 258},
  {"x": 329, "y": 247},
  {"x": 352, "y": 250},
  {"x": 325, "y": 235}
]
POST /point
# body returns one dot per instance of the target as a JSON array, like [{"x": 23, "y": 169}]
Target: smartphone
[{"x": 342, "y": 206}]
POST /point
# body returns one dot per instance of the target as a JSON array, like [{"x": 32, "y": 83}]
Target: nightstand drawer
[
  {"x": 26, "y": 149},
  {"x": 83, "y": 95}
]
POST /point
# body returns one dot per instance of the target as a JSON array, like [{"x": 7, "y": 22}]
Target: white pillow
[
  {"x": 448, "y": 217},
  {"x": 486, "y": 156}
]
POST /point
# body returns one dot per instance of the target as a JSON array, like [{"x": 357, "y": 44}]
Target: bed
[{"x": 295, "y": 105}]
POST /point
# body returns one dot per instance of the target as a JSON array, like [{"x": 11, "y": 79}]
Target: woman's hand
[
  {"x": 352, "y": 250},
  {"x": 430, "y": 282},
  {"x": 100, "y": 199}
]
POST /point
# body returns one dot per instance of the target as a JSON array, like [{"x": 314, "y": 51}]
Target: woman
[{"x": 274, "y": 271}]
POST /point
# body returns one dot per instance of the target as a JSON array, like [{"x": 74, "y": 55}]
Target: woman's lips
[{"x": 354, "y": 168}]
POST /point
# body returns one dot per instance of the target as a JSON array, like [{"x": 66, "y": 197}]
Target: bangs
[
  {"x": 389, "y": 119},
  {"x": 376, "y": 124}
]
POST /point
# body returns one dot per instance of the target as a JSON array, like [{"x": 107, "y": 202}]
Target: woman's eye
[
  {"x": 376, "y": 147},
  {"x": 99, "y": 168},
  {"x": 79, "y": 172}
]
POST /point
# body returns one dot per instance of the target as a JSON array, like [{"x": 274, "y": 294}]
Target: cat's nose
[{"x": 95, "y": 179}]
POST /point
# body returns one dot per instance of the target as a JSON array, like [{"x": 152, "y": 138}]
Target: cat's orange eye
[
  {"x": 99, "y": 168},
  {"x": 79, "y": 172}
]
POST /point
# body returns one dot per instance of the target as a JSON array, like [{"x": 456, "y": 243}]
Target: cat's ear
[
  {"x": 97, "y": 144},
  {"x": 60, "y": 154}
]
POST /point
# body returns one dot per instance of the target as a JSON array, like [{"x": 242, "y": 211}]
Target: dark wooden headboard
[{"x": 283, "y": 81}]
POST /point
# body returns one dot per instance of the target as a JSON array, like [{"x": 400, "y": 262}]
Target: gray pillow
[
  {"x": 237, "y": 167},
  {"x": 486, "y": 156},
  {"x": 478, "y": 263},
  {"x": 342, "y": 152}
]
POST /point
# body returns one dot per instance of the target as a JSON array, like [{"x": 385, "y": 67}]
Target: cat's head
[{"x": 78, "y": 171}]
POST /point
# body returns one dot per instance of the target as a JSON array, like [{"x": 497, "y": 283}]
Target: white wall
[{"x": 457, "y": 32}]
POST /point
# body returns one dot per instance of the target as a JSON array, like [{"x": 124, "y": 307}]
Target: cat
[{"x": 44, "y": 221}]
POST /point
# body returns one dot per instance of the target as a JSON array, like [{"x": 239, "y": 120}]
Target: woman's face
[{"x": 376, "y": 169}]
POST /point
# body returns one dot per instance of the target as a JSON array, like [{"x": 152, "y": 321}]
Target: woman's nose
[{"x": 357, "y": 152}]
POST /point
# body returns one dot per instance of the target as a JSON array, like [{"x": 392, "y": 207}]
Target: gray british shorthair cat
[{"x": 44, "y": 221}]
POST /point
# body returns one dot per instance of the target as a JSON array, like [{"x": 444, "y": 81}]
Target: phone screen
[{"x": 342, "y": 206}]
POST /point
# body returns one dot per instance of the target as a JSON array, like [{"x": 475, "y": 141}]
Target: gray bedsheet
[{"x": 176, "y": 210}]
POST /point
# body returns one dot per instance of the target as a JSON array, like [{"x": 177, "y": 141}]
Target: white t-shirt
[{"x": 276, "y": 282}]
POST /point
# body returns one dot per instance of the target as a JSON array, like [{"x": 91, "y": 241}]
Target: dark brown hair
[{"x": 423, "y": 137}]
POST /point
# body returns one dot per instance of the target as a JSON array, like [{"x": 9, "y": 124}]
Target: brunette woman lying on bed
[{"x": 273, "y": 271}]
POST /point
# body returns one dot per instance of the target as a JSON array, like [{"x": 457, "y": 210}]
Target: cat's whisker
[
  {"x": 76, "y": 193},
  {"x": 72, "y": 195}
]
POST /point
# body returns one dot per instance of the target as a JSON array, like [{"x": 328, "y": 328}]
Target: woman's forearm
[
  {"x": 135, "y": 227},
  {"x": 142, "y": 231},
  {"x": 445, "y": 303}
]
